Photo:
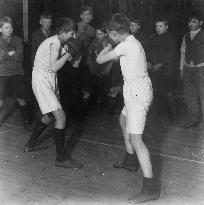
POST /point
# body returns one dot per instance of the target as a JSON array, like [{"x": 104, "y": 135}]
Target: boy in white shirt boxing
[
  {"x": 50, "y": 57},
  {"x": 137, "y": 93}
]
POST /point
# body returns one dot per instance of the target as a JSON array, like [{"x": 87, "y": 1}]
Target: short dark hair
[
  {"x": 195, "y": 15},
  {"x": 102, "y": 28},
  {"x": 136, "y": 21},
  {"x": 65, "y": 24},
  {"x": 87, "y": 8},
  {"x": 162, "y": 19},
  {"x": 5, "y": 19},
  {"x": 46, "y": 15},
  {"x": 119, "y": 22}
]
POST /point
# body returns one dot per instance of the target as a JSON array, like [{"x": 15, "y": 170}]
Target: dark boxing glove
[{"x": 74, "y": 47}]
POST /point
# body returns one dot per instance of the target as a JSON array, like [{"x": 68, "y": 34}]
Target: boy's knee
[
  {"x": 46, "y": 119},
  {"x": 122, "y": 119},
  {"x": 64, "y": 117},
  {"x": 21, "y": 101},
  {"x": 60, "y": 115}
]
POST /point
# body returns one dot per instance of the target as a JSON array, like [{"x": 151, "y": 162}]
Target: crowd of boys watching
[{"x": 88, "y": 84}]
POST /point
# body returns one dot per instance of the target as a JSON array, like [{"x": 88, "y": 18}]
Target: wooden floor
[{"x": 177, "y": 154}]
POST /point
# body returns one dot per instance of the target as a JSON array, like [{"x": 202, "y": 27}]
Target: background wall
[
  {"x": 14, "y": 9},
  {"x": 146, "y": 10}
]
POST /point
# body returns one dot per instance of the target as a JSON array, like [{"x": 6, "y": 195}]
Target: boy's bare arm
[
  {"x": 55, "y": 62},
  {"x": 106, "y": 55}
]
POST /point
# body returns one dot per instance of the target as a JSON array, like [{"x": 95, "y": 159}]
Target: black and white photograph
[{"x": 101, "y": 102}]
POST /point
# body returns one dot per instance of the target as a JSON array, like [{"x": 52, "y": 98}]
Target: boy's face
[
  {"x": 161, "y": 28},
  {"x": 194, "y": 24},
  {"x": 134, "y": 27},
  {"x": 114, "y": 36},
  {"x": 45, "y": 23},
  {"x": 6, "y": 30},
  {"x": 86, "y": 17},
  {"x": 100, "y": 35},
  {"x": 68, "y": 35}
]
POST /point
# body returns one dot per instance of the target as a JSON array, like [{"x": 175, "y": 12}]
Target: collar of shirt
[{"x": 193, "y": 33}]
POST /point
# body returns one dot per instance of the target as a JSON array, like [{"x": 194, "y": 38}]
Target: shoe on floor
[
  {"x": 189, "y": 125},
  {"x": 144, "y": 197},
  {"x": 35, "y": 148},
  {"x": 122, "y": 165},
  {"x": 69, "y": 163}
]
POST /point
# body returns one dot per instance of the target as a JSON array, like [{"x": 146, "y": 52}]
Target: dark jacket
[{"x": 162, "y": 49}]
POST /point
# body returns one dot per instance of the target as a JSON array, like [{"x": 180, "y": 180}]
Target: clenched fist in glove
[{"x": 73, "y": 46}]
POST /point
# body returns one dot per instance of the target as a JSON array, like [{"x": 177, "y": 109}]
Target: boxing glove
[{"x": 73, "y": 47}]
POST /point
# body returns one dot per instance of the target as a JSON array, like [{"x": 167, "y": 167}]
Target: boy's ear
[
  {"x": 201, "y": 23},
  {"x": 0, "y": 30},
  {"x": 81, "y": 16},
  {"x": 40, "y": 21}
]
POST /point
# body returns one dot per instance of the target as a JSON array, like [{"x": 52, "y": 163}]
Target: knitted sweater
[{"x": 11, "y": 65}]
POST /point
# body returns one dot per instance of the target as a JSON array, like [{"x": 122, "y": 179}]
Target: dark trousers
[{"x": 193, "y": 90}]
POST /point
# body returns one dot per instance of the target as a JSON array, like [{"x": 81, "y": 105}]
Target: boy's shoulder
[
  {"x": 83, "y": 27},
  {"x": 37, "y": 32},
  {"x": 17, "y": 38},
  {"x": 201, "y": 32},
  {"x": 82, "y": 24}
]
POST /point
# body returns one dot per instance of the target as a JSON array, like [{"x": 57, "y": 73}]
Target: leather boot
[
  {"x": 26, "y": 121},
  {"x": 32, "y": 145},
  {"x": 150, "y": 191},
  {"x": 130, "y": 162},
  {"x": 62, "y": 160}
]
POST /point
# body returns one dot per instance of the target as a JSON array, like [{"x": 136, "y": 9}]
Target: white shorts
[
  {"x": 138, "y": 96},
  {"x": 45, "y": 89}
]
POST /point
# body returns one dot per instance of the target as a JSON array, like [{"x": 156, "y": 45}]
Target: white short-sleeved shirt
[
  {"x": 132, "y": 58},
  {"x": 137, "y": 89}
]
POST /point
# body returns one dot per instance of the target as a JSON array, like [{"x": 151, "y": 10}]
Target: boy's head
[
  {"x": 118, "y": 26},
  {"x": 86, "y": 14},
  {"x": 65, "y": 28},
  {"x": 162, "y": 26},
  {"x": 45, "y": 20},
  {"x": 6, "y": 26},
  {"x": 101, "y": 33},
  {"x": 195, "y": 21},
  {"x": 135, "y": 25}
]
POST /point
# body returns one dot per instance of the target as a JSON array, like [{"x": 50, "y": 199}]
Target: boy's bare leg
[
  {"x": 130, "y": 161},
  {"x": 150, "y": 189},
  {"x": 128, "y": 145},
  {"x": 142, "y": 154}
]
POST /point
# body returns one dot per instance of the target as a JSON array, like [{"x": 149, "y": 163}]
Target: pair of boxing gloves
[{"x": 72, "y": 46}]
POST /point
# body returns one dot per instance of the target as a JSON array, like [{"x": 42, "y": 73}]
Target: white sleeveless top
[{"x": 42, "y": 57}]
